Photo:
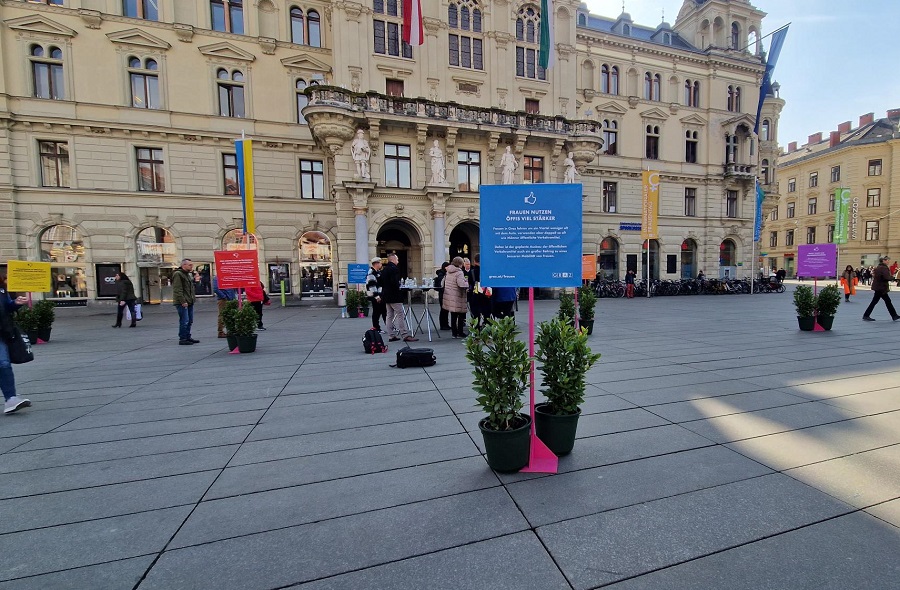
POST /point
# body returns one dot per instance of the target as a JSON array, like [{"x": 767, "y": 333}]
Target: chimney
[
  {"x": 845, "y": 127},
  {"x": 893, "y": 113},
  {"x": 834, "y": 139},
  {"x": 814, "y": 138},
  {"x": 866, "y": 119},
  {"x": 792, "y": 147}
]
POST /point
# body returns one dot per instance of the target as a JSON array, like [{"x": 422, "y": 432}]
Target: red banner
[{"x": 237, "y": 269}]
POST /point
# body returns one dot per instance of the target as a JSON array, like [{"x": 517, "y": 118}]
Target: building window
[
  {"x": 764, "y": 171},
  {"x": 790, "y": 210},
  {"x": 872, "y": 231},
  {"x": 534, "y": 169},
  {"x": 465, "y": 50},
  {"x": 468, "y": 170},
  {"x": 532, "y": 106},
  {"x": 298, "y": 26},
  {"x": 227, "y": 16},
  {"x": 764, "y": 130},
  {"x": 305, "y": 31},
  {"x": 231, "y": 93},
  {"x": 735, "y": 36},
  {"x": 774, "y": 215},
  {"x": 397, "y": 165},
  {"x": 690, "y": 202},
  {"x": 831, "y": 202},
  {"x": 528, "y": 26},
  {"x": 144, "y": 77},
  {"x": 393, "y": 87},
  {"x": 145, "y": 9},
  {"x": 230, "y": 174},
  {"x": 302, "y": 99},
  {"x": 873, "y": 197},
  {"x": 810, "y": 235},
  {"x": 830, "y": 234},
  {"x": 312, "y": 179},
  {"x": 734, "y": 99},
  {"x": 813, "y": 179},
  {"x": 875, "y": 167},
  {"x": 609, "y": 79},
  {"x": 47, "y": 72},
  {"x": 610, "y": 137},
  {"x": 54, "y": 163},
  {"x": 652, "y": 151},
  {"x": 314, "y": 29},
  {"x": 691, "y": 93},
  {"x": 610, "y": 198},
  {"x": 792, "y": 185},
  {"x": 388, "y": 40},
  {"x": 773, "y": 239},
  {"x": 151, "y": 176},
  {"x": 811, "y": 206},
  {"x": 49, "y": 2},
  {"x": 835, "y": 174},
  {"x": 652, "y": 85},
  {"x": 690, "y": 147},
  {"x": 731, "y": 203},
  {"x": 789, "y": 238}
]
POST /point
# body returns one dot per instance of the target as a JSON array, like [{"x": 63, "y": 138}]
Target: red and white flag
[{"x": 412, "y": 22}]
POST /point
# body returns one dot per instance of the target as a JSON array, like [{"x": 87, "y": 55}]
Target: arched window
[
  {"x": 314, "y": 29},
  {"x": 610, "y": 137},
  {"x": 764, "y": 130},
  {"x": 302, "y": 99},
  {"x": 764, "y": 171},
  {"x": 727, "y": 251},
  {"x": 298, "y": 30},
  {"x": 144, "y": 83},
  {"x": 582, "y": 20},
  {"x": 609, "y": 79},
  {"x": 315, "y": 264},
  {"x": 735, "y": 36},
  {"x": 47, "y": 72},
  {"x": 63, "y": 247},
  {"x": 465, "y": 50},
  {"x": 652, "y": 84},
  {"x": 652, "y": 142},
  {"x": 236, "y": 239},
  {"x": 691, "y": 93},
  {"x": 231, "y": 93},
  {"x": 608, "y": 258},
  {"x": 528, "y": 23},
  {"x": 737, "y": 99},
  {"x": 688, "y": 258}
]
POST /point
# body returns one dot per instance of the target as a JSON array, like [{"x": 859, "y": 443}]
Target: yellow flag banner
[
  {"x": 23, "y": 275},
  {"x": 650, "y": 206}
]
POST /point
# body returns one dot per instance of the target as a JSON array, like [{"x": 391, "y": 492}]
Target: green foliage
[
  {"x": 502, "y": 369},
  {"x": 828, "y": 300},
  {"x": 566, "y": 358},
  {"x": 804, "y": 301},
  {"x": 587, "y": 299},
  {"x": 27, "y": 319},
  {"x": 229, "y": 316},
  {"x": 567, "y": 307},
  {"x": 246, "y": 321},
  {"x": 356, "y": 300},
  {"x": 43, "y": 309}
]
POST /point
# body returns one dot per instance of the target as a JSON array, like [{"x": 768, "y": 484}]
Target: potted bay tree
[
  {"x": 45, "y": 314},
  {"x": 245, "y": 324},
  {"x": 502, "y": 369},
  {"x": 27, "y": 319},
  {"x": 587, "y": 300},
  {"x": 826, "y": 306},
  {"x": 565, "y": 359},
  {"x": 229, "y": 320},
  {"x": 805, "y": 304}
]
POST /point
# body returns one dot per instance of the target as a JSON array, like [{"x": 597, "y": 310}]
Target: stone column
[
  {"x": 439, "y": 196},
  {"x": 359, "y": 193}
]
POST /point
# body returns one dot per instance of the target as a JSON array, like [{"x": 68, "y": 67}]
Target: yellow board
[
  {"x": 650, "y": 206},
  {"x": 22, "y": 275}
]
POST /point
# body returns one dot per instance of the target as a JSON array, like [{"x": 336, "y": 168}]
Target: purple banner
[{"x": 817, "y": 260}]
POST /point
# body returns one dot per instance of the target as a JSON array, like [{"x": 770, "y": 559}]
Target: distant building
[
  {"x": 117, "y": 123},
  {"x": 861, "y": 158}
]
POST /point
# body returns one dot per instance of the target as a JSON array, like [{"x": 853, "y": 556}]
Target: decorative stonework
[
  {"x": 185, "y": 33},
  {"x": 91, "y": 18}
]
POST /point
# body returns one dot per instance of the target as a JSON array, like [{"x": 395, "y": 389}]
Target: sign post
[
  {"x": 817, "y": 260},
  {"x": 531, "y": 236}
]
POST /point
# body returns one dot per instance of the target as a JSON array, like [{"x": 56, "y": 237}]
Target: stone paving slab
[
  {"x": 888, "y": 512},
  {"x": 114, "y": 575}
]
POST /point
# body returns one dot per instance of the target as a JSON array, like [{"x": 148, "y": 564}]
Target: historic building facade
[
  {"x": 860, "y": 158},
  {"x": 118, "y": 117}
]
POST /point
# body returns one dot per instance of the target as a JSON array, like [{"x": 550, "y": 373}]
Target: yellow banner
[
  {"x": 650, "y": 206},
  {"x": 22, "y": 275}
]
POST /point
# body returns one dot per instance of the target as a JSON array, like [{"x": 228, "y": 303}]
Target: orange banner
[
  {"x": 588, "y": 267},
  {"x": 650, "y": 206}
]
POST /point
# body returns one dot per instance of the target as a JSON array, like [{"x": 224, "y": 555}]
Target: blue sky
[{"x": 835, "y": 64}]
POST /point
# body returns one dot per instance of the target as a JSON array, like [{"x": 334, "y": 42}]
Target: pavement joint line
[
  {"x": 74, "y": 568},
  {"x": 821, "y": 461}
]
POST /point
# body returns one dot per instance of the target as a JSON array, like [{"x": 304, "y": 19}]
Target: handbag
[
  {"x": 138, "y": 314},
  {"x": 19, "y": 348},
  {"x": 128, "y": 314}
]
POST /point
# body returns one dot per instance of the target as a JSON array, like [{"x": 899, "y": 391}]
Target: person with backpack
[
  {"x": 13, "y": 402},
  {"x": 373, "y": 293}
]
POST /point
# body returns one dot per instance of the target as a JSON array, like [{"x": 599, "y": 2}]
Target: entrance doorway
[
  {"x": 688, "y": 259},
  {"x": 464, "y": 240},
  {"x": 398, "y": 236},
  {"x": 156, "y": 284}
]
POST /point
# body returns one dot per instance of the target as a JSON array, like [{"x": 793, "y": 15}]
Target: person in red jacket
[{"x": 256, "y": 296}]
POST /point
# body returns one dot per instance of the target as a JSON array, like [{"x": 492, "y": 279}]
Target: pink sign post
[{"x": 542, "y": 459}]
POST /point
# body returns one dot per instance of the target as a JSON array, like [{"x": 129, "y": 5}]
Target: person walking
[
  {"x": 257, "y": 296},
  {"x": 629, "y": 284},
  {"x": 223, "y": 296},
  {"x": 125, "y": 297},
  {"x": 456, "y": 285},
  {"x": 183, "y": 297},
  {"x": 13, "y": 402},
  {"x": 373, "y": 292},
  {"x": 393, "y": 299},
  {"x": 881, "y": 279},
  {"x": 849, "y": 280},
  {"x": 440, "y": 275}
]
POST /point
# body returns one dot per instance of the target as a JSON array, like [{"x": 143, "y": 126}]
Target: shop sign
[
  {"x": 155, "y": 253},
  {"x": 588, "y": 267},
  {"x": 629, "y": 227}
]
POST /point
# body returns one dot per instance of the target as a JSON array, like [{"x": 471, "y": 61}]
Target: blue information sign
[
  {"x": 531, "y": 235},
  {"x": 356, "y": 274},
  {"x": 629, "y": 226}
]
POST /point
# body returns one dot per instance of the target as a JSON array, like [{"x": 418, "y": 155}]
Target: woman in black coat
[{"x": 124, "y": 296}]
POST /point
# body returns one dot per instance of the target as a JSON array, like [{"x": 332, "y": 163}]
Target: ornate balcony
[{"x": 740, "y": 171}]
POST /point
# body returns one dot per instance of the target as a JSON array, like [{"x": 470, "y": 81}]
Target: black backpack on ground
[
  {"x": 415, "y": 357},
  {"x": 373, "y": 342}
]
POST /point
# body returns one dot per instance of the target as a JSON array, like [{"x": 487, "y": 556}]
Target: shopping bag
[
  {"x": 138, "y": 315},
  {"x": 128, "y": 313}
]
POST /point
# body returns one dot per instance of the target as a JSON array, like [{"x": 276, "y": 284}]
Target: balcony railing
[
  {"x": 742, "y": 171},
  {"x": 450, "y": 111}
]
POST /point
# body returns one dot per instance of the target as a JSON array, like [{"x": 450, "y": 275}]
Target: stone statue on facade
[
  {"x": 438, "y": 164},
  {"x": 571, "y": 173},
  {"x": 509, "y": 164},
  {"x": 361, "y": 153}
]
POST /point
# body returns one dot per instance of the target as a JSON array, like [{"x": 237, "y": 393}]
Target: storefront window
[
  {"x": 236, "y": 240},
  {"x": 62, "y": 246},
  {"x": 157, "y": 259},
  {"x": 315, "y": 265},
  {"x": 608, "y": 259}
]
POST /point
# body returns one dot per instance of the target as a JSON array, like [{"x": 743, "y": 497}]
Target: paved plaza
[{"x": 720, "y": 448}]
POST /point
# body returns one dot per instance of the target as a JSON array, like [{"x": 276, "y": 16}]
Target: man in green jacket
[{"x": 183, "y": 296}]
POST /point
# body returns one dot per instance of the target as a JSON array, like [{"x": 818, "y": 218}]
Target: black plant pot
[
  {"x": 32, "y": 336},
  {"x": 246, "y": 344},
  {"x": 589, "y": 324},
  {"x": 557, "y": 432},
  {"x": 232, "y": 341},
  {"x": 507, "y": 450},
  {"x": 826, "y": 321},
  {"x": 44, "y": 334},
  {"x": 807, "y": 324}
]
